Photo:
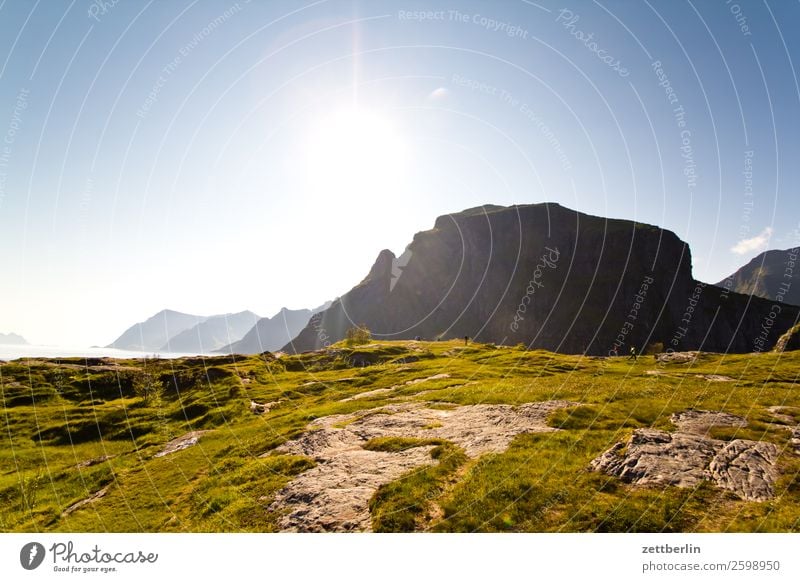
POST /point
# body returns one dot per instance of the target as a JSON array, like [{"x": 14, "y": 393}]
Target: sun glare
[{"x": 354, "y": 154}]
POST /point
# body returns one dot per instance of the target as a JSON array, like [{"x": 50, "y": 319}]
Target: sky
[{"x": 215, "y": 156}]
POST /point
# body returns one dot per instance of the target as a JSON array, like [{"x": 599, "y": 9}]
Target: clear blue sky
[{"x": 211, "y": 157}]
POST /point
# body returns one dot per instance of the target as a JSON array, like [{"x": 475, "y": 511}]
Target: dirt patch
[
  {"x": 688, "y": 456},
  {"x": 335, "y": 494}
]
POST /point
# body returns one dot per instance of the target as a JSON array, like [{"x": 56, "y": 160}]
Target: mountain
[
  {"x": 12, "y": 339},
  {"x": 270, "y": 333},
  {"x": 548, "y": 277},
  {"x": 151, "y": 335},
  {"x": 212, "y": 333},
  {"x": 770, "y": 275}
]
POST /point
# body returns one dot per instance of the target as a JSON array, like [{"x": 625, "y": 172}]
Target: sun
[{"x": 355, "y": 154}]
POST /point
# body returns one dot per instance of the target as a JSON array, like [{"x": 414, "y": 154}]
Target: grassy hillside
[{"x": 84, "y": 445}]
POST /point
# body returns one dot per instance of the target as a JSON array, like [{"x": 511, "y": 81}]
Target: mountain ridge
[
  {"x": 769, "y": 275},
  {"x": 605, "y": 285}
]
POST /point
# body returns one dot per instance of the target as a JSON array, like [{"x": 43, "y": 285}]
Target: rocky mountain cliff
[
  {"x": 548, "y": 277},
  {"x": 271, "y": 333},
  {"x": 212, "y": 334},
  {"x": 773, "y": 275},
  {"x": 152, "y": 334}
]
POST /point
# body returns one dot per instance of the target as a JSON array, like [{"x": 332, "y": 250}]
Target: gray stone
[
  {"x": 334, "y": 495},
  {"x": 688, "y": 456}
]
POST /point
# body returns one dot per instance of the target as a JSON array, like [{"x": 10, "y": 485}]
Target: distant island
[{"x": 12, "y": 339}]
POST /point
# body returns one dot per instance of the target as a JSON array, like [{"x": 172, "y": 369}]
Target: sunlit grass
[{"x": 70, "y": 431}]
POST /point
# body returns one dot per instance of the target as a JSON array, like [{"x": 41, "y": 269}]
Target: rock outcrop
[
  {"x": 552, "y": 278},
  {"x": 180, "y": 443},
  {"x": 789, "y": 341},
  {"x": 688, "y": 456},
  {"x": 335, "y": 494}
]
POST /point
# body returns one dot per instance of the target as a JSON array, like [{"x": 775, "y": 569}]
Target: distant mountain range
[
  {"x": 548, "y": 277},
  {"x": 12, "y": 339},
  {"x": 212, "y": 333},
  {"x": 773, "y": 275},
  {"x": 152, "y": 334},
  {"x": 241, "y": 333},
  {"x": 271, "y": 333}
]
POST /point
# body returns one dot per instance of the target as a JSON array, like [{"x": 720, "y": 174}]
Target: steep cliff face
[
  {"x": 551, "y": 278},
  {"x": 771, "y": 275}
]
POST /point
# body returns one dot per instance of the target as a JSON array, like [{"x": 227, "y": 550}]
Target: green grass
[
  {"x": 70, "y": 430},
  {"x": 404, "y": 505}
]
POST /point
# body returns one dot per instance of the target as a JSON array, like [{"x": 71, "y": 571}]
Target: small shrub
[
  {"x": 147, "y": 387},
  {"x": 357, "y": 336}
]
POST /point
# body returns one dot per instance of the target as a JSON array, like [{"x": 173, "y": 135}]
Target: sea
[{"x": 14, "y": 352}]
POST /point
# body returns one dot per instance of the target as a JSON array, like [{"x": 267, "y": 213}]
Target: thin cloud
[{"x": 757, "y": 243}]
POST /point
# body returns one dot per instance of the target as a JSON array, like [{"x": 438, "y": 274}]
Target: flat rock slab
[
  {"x": 263, "y": 407},
  {"x": 715, "y": 378},
  {"x": 687, "y": 457},
  {"x": 700, "y": 421},
  {"x": 384, "y": 391},
  {"x": 677, "y": 357},
  {"x": 182, "y": 442},
  {"x": 656, "y": 457},
  {"x": 334, "y": 495},
  {"x": 84, "y": 502}
]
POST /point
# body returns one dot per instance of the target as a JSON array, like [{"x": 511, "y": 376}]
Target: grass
[{"x": 71, "y": 428}]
